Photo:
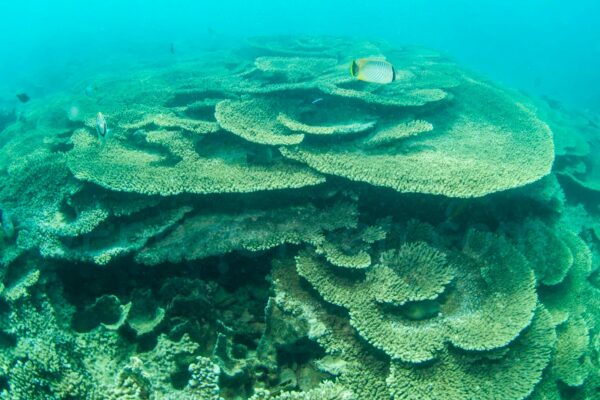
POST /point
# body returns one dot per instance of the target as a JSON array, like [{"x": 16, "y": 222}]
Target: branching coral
[
  {"x": 327, "y": 391},
  {"x": 40, "y": 357},
  {"x": 133, "y": 382},
  {"x": 204, "y": 380}
]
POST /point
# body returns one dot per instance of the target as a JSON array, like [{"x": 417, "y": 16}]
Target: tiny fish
[
  {"x": 101, "y": 127},
  {"x": 23, "y": 97},
  {"x": 315, "y": 101},
  {"x": 373, "y": 70},
  {"x": 172, "y": 48}
]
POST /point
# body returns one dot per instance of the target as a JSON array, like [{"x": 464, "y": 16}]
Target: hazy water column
[{"x": 546, "y": 46}]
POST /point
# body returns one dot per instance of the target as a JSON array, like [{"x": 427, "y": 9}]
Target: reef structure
[{"x": 260, "y": 225}]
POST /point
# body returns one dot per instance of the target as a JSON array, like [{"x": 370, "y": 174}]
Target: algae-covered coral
[{"x": 259, "y": 225}]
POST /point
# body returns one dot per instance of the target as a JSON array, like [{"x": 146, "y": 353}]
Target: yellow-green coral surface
[{"x": 258, "y": 224}]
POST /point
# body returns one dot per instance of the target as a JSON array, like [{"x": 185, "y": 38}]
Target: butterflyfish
[
  {"x": 101, "y": 126},
  {"x": 373, "y": 70}
]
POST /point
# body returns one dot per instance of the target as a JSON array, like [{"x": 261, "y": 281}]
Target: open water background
[{"x": 544, "y": 47}]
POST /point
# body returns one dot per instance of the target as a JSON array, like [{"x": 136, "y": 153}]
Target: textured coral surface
[{"x": 259, "y": 225}]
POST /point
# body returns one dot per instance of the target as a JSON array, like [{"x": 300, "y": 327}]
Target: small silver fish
[
  {"x": 373, "y": 70},
  {"x": 101, "y": 127},
  {"x": 318, "y": 100}
]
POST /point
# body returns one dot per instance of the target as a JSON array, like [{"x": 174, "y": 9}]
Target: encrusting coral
[{"x": 270, "y": 228}]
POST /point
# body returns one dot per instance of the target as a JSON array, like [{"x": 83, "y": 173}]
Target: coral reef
[
  {"x": 462, "y": 159},
  {"x": 492, "y": 301},
  {"x": 259, "y": 225},
  {"x": 253, "y": 230}
]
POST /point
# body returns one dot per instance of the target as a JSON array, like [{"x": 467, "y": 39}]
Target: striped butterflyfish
[{"x": 373, "y": 70}]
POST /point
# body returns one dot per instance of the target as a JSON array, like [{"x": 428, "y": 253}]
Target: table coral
[
  {"x": 116, "y": 166},
  {"x": 456, "y": 376},
  {"x": 294, "y": 69},
  {"x": 549, "y": 255},
  {"x": 336, "y": 129},
  {"x": 350, "y": 248},
  {"x": 218, "y": 164},
  {"x": 494, "y": 289},
  {"x": 398, "y": 131},
  {"x": 519, "y": 366},
  {"x": 255, "y": 120},
  {"x": 479, "y": 147},
  {"x": 207, "y": 235}
]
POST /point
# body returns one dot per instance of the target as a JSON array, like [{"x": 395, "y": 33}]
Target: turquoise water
[
  {"x": 299, "y": 200},
  {"x": 542, "y": 46}
]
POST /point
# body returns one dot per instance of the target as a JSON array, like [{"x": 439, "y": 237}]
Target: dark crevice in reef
[
  {"x": 237, "y": 285},
  {"x": 4, "y": 383},
  {"x": 201, "y": 112},
  {"x": 7, "y": 340},
  {"x": 120, "y": 278},
  {"x": 299, "y": 352}
]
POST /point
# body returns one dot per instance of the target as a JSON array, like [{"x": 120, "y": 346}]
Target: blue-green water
[
  {"x": 542, "y": 46},
  {"x": 299, "y": 201}
]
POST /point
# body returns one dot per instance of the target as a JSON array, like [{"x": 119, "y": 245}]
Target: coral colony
[{"x": 259, "y": 224}]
